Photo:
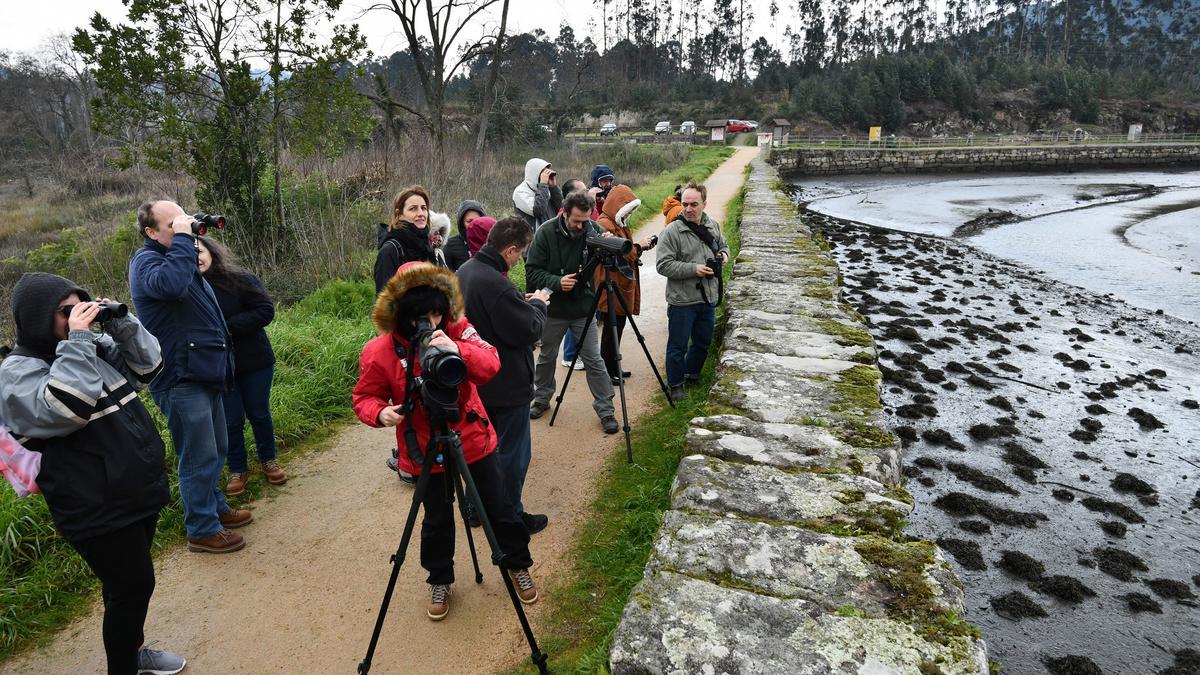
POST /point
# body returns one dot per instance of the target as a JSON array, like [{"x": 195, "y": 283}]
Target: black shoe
[
  {"x": 610, "y": 424},
  {"x": 691, "y": 379},
  {"x": 624, "y": 376},
  {"x": 538, "y": 409},
  {"x": 535, "y": 522},
  {"x": 677, "y": 393}
]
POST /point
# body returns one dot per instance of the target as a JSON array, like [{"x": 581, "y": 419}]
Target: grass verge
[
  {"x": 44, "y": 583},
  {"x": 613, "y": 545}
]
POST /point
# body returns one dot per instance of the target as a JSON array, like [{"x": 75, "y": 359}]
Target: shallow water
[
  {"x": 1135, "y": 234},
  {"x": 1031, "y": 357}
]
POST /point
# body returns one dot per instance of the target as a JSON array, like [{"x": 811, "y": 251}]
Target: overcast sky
[{"x": 25, "y": 25}]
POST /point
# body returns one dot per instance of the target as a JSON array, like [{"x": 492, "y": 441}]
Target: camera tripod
[
  {"x": 446, "y": 449},
  {"x": 610, "y": 291}
]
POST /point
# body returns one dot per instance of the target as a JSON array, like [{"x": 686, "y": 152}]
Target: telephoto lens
[{"x": 111, "y": 310}]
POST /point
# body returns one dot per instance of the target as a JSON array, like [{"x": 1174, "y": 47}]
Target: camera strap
[
  {"x": 710, "y": 241},
  {"x": 411, "y": 445}
]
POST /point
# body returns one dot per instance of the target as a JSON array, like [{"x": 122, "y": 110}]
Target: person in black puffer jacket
[
  {"x": 406, "y": 239},
  {"x": 456, "y": 247},
  {"x": 71, "y": 394},
  {"x": 248, "y": 310}
]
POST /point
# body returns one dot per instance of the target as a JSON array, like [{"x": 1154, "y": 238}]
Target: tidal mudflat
[{"x": 1052, "y": 441}]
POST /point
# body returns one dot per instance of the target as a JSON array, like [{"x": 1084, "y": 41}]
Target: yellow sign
[{"x": 876, "y": 134}]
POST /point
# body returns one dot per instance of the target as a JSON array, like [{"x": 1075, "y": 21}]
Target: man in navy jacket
[{"x": 177, "y": 306}]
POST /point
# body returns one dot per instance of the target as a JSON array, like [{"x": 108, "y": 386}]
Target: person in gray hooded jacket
[
  {"x": 538, "y": 198},
  {"x": 71, "y": 394}
]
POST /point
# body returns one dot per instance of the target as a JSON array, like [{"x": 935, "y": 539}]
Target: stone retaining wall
[
  {"x": 783, "y": 548},
  {"x": 832, "y": 161}
]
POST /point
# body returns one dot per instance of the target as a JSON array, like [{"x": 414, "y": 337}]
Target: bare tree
[
  {"x": 487, "y": 100},
  {"x": 435, "y": 64}
]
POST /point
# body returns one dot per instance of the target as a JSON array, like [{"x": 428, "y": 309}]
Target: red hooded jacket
[{"x": 382, "y": 374}]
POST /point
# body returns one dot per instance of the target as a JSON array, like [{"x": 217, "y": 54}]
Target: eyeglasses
[{"x": 65, "y": 311}]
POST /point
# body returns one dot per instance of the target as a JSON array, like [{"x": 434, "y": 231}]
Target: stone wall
[
  {"x": 783, "y": 548},
  {"x": 832, "y": 161}
]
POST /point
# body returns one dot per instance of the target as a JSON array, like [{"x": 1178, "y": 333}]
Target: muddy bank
[{"x": 1052, "y": 447}]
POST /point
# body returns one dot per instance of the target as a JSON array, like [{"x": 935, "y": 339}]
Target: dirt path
[{"x": 303, "y": 595}]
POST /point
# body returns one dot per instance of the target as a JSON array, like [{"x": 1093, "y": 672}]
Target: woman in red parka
[{"x": 421, "y": 290}]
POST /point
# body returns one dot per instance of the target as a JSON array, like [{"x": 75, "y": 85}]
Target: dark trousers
[
  {"x": 437, "y": 530},
  {"x": 689, "y": 333},
  {"x": 121, "y": 560},
  {"x": 250, "y": 398},
  {"x": 608, "y": 351},
  {"x": 514, "y": 448}
]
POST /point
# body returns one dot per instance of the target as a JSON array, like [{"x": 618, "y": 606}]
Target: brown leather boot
[
  {"x": 237, "y": 483},
  {"x": 223, "y": 541},
  {"x": 439, "y": 602},
  {"x": 235, "y": 518},
  {"x": 274, "y": 472}
]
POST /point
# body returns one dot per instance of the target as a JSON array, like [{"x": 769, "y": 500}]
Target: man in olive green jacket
[
  {"x": 555, "y": 258},
  {"x": 693, "y": 289}
]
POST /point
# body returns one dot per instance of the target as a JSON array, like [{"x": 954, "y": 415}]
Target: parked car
[
  {"x": 687, "y": 128},
  {"x": 737, "y": 127},
  {"x": 609, "y": 129},
  {"x": 752, "y": 124},
  {"x": 662, "y": 128},
  {"x": 547, "y": 128}
]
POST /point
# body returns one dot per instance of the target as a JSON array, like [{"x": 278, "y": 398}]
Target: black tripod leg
[
  {"x": 609, "y": 291},
  {"x": 646, "y": 350},
  {"x": 582, "y": 336},
  {"x": 498, "y": 557},
  {"x": 452, "y": 477},
  {"x": 397, "y": 560}
]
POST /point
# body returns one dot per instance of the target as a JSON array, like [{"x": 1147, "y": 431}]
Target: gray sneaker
[{"x": 159, "y": 663}]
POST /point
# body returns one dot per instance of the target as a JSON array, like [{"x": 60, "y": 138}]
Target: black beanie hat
[{"x": 34, "y": 301}]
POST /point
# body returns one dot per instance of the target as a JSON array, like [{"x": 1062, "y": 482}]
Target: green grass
[
  {"x": 44, "y": 583},
  {"x": 610, "y": 553},
  {"x": 700, "y": 164}
]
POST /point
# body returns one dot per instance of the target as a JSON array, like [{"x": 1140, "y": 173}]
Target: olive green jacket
[{"x": 679, "y": 251}]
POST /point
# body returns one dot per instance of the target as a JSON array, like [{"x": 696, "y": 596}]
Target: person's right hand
[
  {"x": 544, "y": 176},
  {"x": 390, "y": 416},
  {"x": 703, "y": 271},
  {"x": 539, "y": 294},
  {"x": 568, "y": 282},
  {"x": 182, "y": 224},
  {"x": 83, "y": 315}
]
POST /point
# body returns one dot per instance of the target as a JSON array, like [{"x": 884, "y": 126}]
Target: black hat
[{"x": 35, "y": 300}]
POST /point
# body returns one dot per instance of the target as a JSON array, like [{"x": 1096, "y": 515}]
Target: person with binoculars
[
  {"x": 692, "y": 251},
  {"x": 71, "y": 394},
  {"x": 421, "y": 292},
  {"x": 179, "y": 308}
]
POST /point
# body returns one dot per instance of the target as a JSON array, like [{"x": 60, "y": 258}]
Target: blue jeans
[
  {"x": 250, "y": 399},
  {"x": 196, "y": 420},
  {"x": 514, "y": 448},
  {"x": 570, "y": 347},
  {"x": 686, "y": 323}
]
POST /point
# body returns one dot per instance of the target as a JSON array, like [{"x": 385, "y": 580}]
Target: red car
[{"x": 737, "y": 127}]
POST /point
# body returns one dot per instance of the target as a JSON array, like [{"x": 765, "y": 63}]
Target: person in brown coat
[
  {"x": 618, "y": 209},
  {"x": 672, "y": 206}
]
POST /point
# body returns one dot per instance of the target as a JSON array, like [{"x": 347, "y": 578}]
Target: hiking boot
[
  {"x": 535, "y": 522},
  {"x": 393, "y": 463},
  {"x": 159, "y": 663},
  {"x": 439, "y": 602},
  {"x": 223, "y": 541},
  {"x": 274, "y": 472},
  {"x": 538, "y": 409},
  {"x": 677, "y": 393},
  {"x": 610, "y": 425},
  {"x": 526, "y": 591},
  {"x": 238, "y": 481},
  {"x": 235, "y": 518}
]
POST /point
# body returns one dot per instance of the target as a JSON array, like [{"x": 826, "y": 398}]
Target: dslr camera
[{"x": 202, "y": 222}]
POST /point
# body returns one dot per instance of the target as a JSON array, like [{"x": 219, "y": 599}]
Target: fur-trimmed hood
[
  {"x": 620, "y": 204},
  {"x": 409, "y": 276},
  {"x": 439, "y": 222}
]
